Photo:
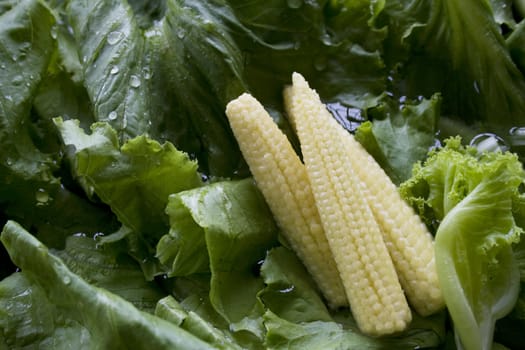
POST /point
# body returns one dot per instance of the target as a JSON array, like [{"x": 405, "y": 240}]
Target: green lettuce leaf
[
  {"x": 297, "y": 318},
  {"x": 290, "y": 292},
  {"x": 193, "y": 294},
  {"x": 471, "y": 195},
  {"x": 509, "y": 330},
  {"x": 30, "y": 161},
  {"x": 516, "y": 45},
  {"x": 322, "y": 40},
  {"x": 460, "y": 51},
  {"x": 400, "y": 134},
  {"x": 73, "y": 312},
  {"x": 282, "y": 334},
  {"x": 25, "y": 52},
  {"x": 229, "y": 225},
  {"x": 169, "y": 309},
  {"x": 110, "y": 267},
  {"x": 170, "y": 77},
  {"x": 134, "y": 180}
]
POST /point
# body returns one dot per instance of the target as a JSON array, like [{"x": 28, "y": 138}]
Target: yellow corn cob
[
  {"x": 282, "y": 179},
  {"x": 409, "y": 243},
  {"x": 367, "y": 271}
]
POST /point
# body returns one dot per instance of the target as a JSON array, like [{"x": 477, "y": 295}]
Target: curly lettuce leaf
[
  {"x": 47, "y": 305},
  {"x": 471, "y": 195},
  {"x": 134, "y": 179},
  {"x": 228, "y": 224}
]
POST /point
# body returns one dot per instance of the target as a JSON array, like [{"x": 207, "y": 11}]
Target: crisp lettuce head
[{"x": 469, "y": 198}]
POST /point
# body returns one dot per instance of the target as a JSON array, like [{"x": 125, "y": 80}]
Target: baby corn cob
[
  {"x": 282, "y": 179},
  {"x": 367, "y": 271},
  {"x": 409, "y": 243}
]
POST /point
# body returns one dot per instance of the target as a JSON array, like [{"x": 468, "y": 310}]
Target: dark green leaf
[{"x": 49, "y": 305}]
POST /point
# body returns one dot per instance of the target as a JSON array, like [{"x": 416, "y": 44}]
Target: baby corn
[
  {"x": 409, "y": 243},
  {"x": 282, "y": 179},
  {"x": 367, "y": 271}
]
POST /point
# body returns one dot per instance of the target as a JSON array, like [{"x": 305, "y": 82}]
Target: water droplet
[
  {"x": 9, "y": 161},
  {"x": 488, "y": 142},
  {"x": 294, "y": 4},
  {"x": 2, "y": 65},
  {"x": 134, "y": 81},
  {"x": 146, "y": 73},
  {"x": 327, "y": 39},
  {"x": 114, "y": 70},
  {"x": 17, "y": 79},
  {"x": 517, "y": 131},
  {"x": 114, "y": 37},
  {"x": 41, "y": 196},
  {"x": 112, "y": 115},
  {"x": 181, "y": 33},
  {"x": 79, "y": 234},
  {"x": 517, "y": 136},
  {"x": 66, "y": 280}
]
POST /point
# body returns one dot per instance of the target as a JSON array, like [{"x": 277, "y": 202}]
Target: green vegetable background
[{"x": 129, "y": 216}]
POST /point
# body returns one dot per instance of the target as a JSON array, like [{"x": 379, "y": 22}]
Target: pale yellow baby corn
[
  {"x": 367, "y": 271},
  {"x": 282, "y": 179},
  {"x": 409, "y": 243}
]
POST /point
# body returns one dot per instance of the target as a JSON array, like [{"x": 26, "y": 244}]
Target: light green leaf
[
  {"x": 134, "y": 179},
  {"x": 229, "y": 224},
  {"x": 471, "y": 197},
  {"x": 290, "y": 292}
]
